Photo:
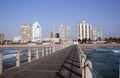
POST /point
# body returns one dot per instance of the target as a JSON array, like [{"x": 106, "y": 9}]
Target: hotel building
[
  {"x": 26, "y": 33},
  {"x": 96, "y": 34},
  {"x": 36, "y": 32},
  {"x": 84, "y": 30},
  {"x": 65, "y": 32}
]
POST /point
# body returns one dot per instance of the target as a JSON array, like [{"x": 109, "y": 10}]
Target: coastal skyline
[{"x": 102, "y": 14}]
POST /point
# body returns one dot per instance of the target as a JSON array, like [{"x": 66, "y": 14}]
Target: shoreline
[
  {"x": 24, "y": 46},
  {"x": 98, "y": 45}
]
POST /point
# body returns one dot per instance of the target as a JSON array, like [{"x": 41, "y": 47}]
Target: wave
[
  {"x": 98, "y": 49},
  {"x": 116, "y": 51},
  {"x": 10, "y": 51},
  {"x": 8, "y": 56}
]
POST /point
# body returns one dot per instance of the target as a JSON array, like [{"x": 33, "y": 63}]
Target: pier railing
[
  {"x": 85, "y": 65},
  {"x": 44, "y": 51},
  {"x": 29, "y": 55}
]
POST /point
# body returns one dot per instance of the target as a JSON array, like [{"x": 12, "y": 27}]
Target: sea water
[
  {"x": 9, "y": 56},
  {"x": 105, "y": 61}
]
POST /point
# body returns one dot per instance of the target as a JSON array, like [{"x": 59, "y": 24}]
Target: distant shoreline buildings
[
  {"x": 32, "y": 33},
  {"x": 86, "y": 32}
]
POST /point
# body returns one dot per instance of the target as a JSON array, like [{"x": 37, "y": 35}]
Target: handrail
[
  {"x": 1, "y": 67},
  {"x": 93, "y": 73},
  {"x": 44, "y": 50},
  {"x": 85, "y": 65}
]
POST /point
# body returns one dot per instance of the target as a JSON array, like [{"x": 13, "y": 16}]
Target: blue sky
[{"x": 104, "y": 14}]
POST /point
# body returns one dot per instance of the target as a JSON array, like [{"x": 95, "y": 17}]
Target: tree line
[
  {"x": 112, "y": 39},
  {"x": 107, "y": 40}
]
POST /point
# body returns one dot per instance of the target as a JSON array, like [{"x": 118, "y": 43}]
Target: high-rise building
[
  {"x": 2, "y": 37},
  {"x": 96, "y": 34},
  {"x": 26, "y": 33},
  {"x": 65, "y": 32},
  {"x": 31, "y": 33},
  {"x": 36, "y": 32},
  {"x": 84, "y": 30}
]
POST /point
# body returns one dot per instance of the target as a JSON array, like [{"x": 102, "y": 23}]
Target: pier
[{"x": 67, "y": 62}]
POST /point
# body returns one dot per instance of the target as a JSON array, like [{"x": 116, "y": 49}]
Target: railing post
[
  {"x": 83, "y": 58},
  {"x": 29, "y": 55},
  {"x": 17, "y": 59},
  {"x": 43, "y": 52},
  {"x": 46, "y": 51},
  {"x": 53, "y": 49},
  {"x": 1, "y": 67},
  {"x": 49, "y": 50},
  {"x": 80, "y": 59},
  {"x": 37, "y": 54},
  {"x": 88, "y": 67}
]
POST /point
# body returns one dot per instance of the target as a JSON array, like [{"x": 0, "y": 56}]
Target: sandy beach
[{"x": 97, "y": 45}]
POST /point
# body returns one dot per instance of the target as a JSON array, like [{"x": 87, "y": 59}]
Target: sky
[{"x": 104, "y": 14}]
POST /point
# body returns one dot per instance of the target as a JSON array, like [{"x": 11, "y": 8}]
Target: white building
[
  {"x": 36, "y": 32},
  {"x": 96, "y": 34},
  {"x": 84, "y": 30},
  {"x": 65, "y": 32}
]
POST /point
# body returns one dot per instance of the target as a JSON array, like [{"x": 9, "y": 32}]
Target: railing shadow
[{"x": 74, "y": 59}]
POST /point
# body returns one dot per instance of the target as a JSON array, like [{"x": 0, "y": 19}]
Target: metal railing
[
  {"x": 85, "y": 65},
  {"x": 44, "y": 52}
]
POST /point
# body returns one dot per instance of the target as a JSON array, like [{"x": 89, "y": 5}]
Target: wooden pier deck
[{"x": 61, "y": 64}]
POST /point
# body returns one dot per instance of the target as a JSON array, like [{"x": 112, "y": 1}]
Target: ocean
[
  {"x": 105, "y": 60},
  {"x": 9, "y": 56}
]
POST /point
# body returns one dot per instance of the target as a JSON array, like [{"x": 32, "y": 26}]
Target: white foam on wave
[
  {"x": 116, "y": 51},
  {"x": 99, "y": 49},
  {"x": 8, "y": 56},
  {"x": 110, "y": 47},
  {"x": 11, "y": 51}
]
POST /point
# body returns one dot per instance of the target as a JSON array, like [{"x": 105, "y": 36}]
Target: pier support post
[
  {"x": 29, "y": 55},
  {"x": 46, "y": 51},
  {"x": 49, "y": 50},
  {"x": 42, "y": 52},
  {"x": 17, "y": 59},
  {"x": 53, "y": 49},
  {"x": 88, "y": 67},
  {"x": 1, "y": 67},
  {"x": 37, "y": 54}
]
